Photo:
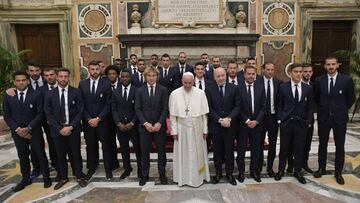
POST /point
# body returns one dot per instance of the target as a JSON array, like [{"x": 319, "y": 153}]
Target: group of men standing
[{"x": 205, "y": 103}]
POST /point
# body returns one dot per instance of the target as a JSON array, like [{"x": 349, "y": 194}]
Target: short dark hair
[
  {"x": 306, "y": 65},
  {"x": 249, "y": 67},
  {"x": 231, "y": 61},
  {"x": 181, "y": 52},
  {"x": 33, "y": 63},
  {"x": 294, "y": 65},
  {"x": 63, "y": 70},
  {"x": 117, "y": 59},
  {"x": 111, "y": 67},
  {"x": 20, "y": 72},
  {"x": 141, "y": 60},
  {"x": 125, "y": 71},
  {"x": 204, "y": 54},
  {"x": 47, "y": 69},
  {"x": 93, "y": 63},
  {"x": 199, "y": 64},
  {"x": 132, "y": 55},
  {"x": 266, "y": 63},
  {"x": 154, "y": 55},
  {"x": 332, "y": 57},
  {"x": 165, "y": 56}
]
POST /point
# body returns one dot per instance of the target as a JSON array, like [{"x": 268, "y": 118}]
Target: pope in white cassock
[{"x": 188, "y": 108}]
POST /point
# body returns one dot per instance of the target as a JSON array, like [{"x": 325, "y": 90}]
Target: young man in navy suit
[
  {"x": 252, "y": 111},
  {"x": 167, "y": 73},
  {"x": 232, "y": 73},
  {"x": 138, "y": 78},
  {"x": 151, "y": 107},
  {"x": 96, "y": 94},
  {"x": 63, "y": 109},
  {"x": 334, "y": 94},
  {"x": 23, "y": 114},
  {"x": 133, "y": 63},
  {"x": 295, "y": 115},
  {"x": 200, "y": 80},
  {"x": 270, "y": 126},
  {"x": 180, "y": 68},
  {"x": 223, "y": 99},
  {"x": 124, "y": 116},
  {"x": 209, "y": 69}
]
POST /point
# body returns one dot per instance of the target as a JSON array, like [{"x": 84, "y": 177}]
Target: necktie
[
  {"x": 125, "y": 93},
  {"x": 93, "y": 88},
  {"x": 296, "y": 93},
  {"x": 250, "y": 99},
  {"x": 233, "y": 82},
  {"x": 21, "y": 97},
  {"x": 51, "y": 86},
  {"x": 268, "y": 98},
  {"x": 151, "y": 91},
  {"x": 36, "y": 84},
  {"x": 141, "y": 78},
  {"x": 165, "y": 73},
  {"x": 200, "y": 85},
  {"x": 182, "y": 70},
  {"x": 134, "y": 70},
  {"x": 221, "y": 91},
  {"x": 112, "y": 87},
  {"x": 331, "y": 85},
  {"x": 62, "y": 107}
]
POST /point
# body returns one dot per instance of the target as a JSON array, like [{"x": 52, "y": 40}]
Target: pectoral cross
[{"x": 187, "y": 110}]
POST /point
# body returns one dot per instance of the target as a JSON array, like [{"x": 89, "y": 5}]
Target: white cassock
[{"x": 189, "y": 121}]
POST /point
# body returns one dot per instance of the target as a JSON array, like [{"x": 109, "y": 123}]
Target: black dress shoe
[
  {"x": 216, "y": 179},
  {"x": 307, "y": 169},
  {"x": 163, "y": 180},
  {"x": 143, "y": 180},
  {"x": 339, "y": 179},
  {"x": 82, "y": 182},
  {"x": 256, "y": 177},
  {"x": 20, "y": 186},
  {"x": 125, "y": 174},
  {"x": 270, "y": 173},
  {"x": 241, "y": 177},
  {"x": 89, "y": 174},
  {"x": 60, "y": 184},
  {"x": 47, "y": 182},
  {"x": 109, "y": 175},
  {"x": 231, "y": 179},
  {"x": 319, "y": 173},
  {"x": 298, "y": 175},
  {"x": 279, "y": 175}
]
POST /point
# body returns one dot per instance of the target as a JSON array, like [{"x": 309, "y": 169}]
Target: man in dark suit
[
  {"x": 112, "y": 74},
  {"x": 223, "y": 99},
  {"x": 166, "y": 73},
  {"x": 209, "y": 69},
  {"x": 334, "y": 94},
  {"x": 138, "y": 78},
  {"x": 154, "y": 61},
  {"x": 232, "y": 73},
  {"x": 250, "y": 61},
  {"x": 63, "y": 109},
  {"x": 270, "y": 126},
  {"x": 252, "y": 110},
  {"x": 123, "y": 112},
  {"x": 200, "y": 80},
  {"x": 151, "y": 107},
  {"x": 180, "y": 68},
  {"x": 306, "y": 78},
  {"x": 51, "y": 83},
  {"x": 133, "y": 63},
  {"x": 23, "y": 114},
  {"x": 96, "y": 94},
  {"x": 295, "y": 115},
  {"x": 216, "y": 63}
]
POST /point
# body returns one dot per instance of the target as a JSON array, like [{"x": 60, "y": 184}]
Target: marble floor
[{"x": 98, "y": 190}]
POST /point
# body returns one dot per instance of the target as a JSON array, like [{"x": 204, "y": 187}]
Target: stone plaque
[{"x": 194, "y": 11}]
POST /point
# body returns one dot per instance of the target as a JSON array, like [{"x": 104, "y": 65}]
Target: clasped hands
[
  {"x": 24, "y": 133},
  {"x": 225, "y": 122},
  {"x": 125, "y": 127},
  {"x": 152, "y": 128}
]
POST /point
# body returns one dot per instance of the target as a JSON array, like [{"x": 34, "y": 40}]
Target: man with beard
[
  {"x": 232, "y": 73},
  {"x": 166, "y": 73},
  {"x": 154, "y": 61},
  {"x": 181, "y": 68},
  {"x": 138, "y": 78},
  {"x": 133, "y": 64},
  {"x": 216, "y": 62},
  {"x": 209, "y": 69}
]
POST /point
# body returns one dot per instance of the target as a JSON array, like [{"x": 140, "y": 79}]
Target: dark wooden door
[
  {"x": 328, "y": 37},
  {"x": 44, "y": 42}
]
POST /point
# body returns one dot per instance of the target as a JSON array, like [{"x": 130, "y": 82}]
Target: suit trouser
[
  {"x": 223, "y": 145},
  {"x": 113, "y": 145},
  {"x": 292, "y": 136},
  {"x": 145, "y": 147},
  {"x": 339, "y": 131},
  {"x": 271, "y": 127},
  {"x": 34, "y": 159},
  {"x": 92, "y": 138},
  {"x": 69, "y": 145},
  {"x": 254, "y": 136},
  {"x": 22, "y": 146},
  {"x": 308, "y": 140},
  {"x": 124, "y": 138}
]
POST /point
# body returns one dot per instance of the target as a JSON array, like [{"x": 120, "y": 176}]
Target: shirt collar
[
  {"x": 97, "y": 80},
  {"x": 66, "y": 88},
  {"x": 293, "y": 83},
  {"x": 128, "y": 87},
  {"x": 247, "y": 84},
  {"x": 148, "y": 85},
  {"x": 24, "y": 91},
  {"x": 197, "y": 79},
  {"x": 332, "y": 76},
  {"x": 308, "y": 82},
  {"x": 266, "y": 79},
  {"x": 54, "y": 85}
]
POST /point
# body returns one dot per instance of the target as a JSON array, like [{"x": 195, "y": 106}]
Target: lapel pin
[
  {"x": 101, "y": 95},
  {"x": 73, "y": 101},
  {"x": 31, "y": 106},
  {"x": 340, "y": 91}
]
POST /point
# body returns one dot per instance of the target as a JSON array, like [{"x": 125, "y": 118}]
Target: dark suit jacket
[
  {"x": 208, "y": 84},
  {"x": 287, "y": 104},
  {"x": 97, "y": 105},
  {"x": 178, "y": 76},
  {"x": 210, "y": 73},
  {"x": 222, "y": 107},
  {"x": 340, "y": 100},
  {"x": 154, "y": 109},
  {"x": 136, "y": 81},
  {"x": 169, "y": 81},
  {"x": 29, "y": 114},
  {"x": 259, "y": 103},
  {"x": 276, "y": 84},
  {"x": 123, "y": 111},
  {"x": 52, "y": 110}
]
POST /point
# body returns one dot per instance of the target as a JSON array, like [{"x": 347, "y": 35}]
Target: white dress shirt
[
  {"x": 40, "y": 82},
  {"x": 272, "y": 105},
  {"x": 233, "y": 79},
  {"x": 252, "y": 94},
  {"x": 197, "y": 80},
  {"x": 132, "y": 69},
  {"x": 66, "y": 102},
  {"x": 127, "y": 90},
  {"x": 54, "y": 86},
  {"x": 24, "y": 91},
  {"x": 329, "y": 80},
  {"x": 96, "y": 84},
  {"x": 298, "y": 88},
  {"x": 149, "y": 88}
]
